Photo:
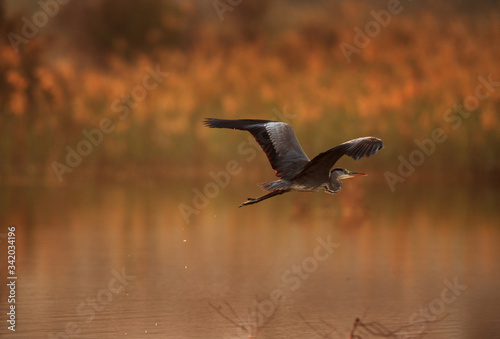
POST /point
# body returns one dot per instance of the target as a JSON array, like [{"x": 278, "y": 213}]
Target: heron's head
[
  {"x": 342, "y": 173},
  {"x": 336, "y": 175}
]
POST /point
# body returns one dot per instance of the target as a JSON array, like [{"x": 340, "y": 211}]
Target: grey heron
[{"x": 293, "y": 168}]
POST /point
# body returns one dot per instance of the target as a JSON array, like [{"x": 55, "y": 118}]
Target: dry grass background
[{"x": 264, "y": 56}]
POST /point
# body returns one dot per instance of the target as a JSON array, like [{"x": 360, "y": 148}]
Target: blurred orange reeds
[{"x": 263, "y": 57}]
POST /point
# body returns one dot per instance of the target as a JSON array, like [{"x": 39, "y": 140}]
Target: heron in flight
[{"x": 292, "y": 166}]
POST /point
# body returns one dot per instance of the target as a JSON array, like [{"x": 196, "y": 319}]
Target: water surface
[{"x": 121, "y": 260}]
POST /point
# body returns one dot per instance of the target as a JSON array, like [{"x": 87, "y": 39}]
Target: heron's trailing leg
[{"x": 264, "y": 197}]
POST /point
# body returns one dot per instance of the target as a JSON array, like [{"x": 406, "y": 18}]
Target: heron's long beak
[
  {"x": 350, "y": 174},
  {"x": 357, "y": 173}
]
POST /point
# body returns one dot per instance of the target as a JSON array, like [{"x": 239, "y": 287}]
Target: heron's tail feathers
[{"x": 275, "y": 185}]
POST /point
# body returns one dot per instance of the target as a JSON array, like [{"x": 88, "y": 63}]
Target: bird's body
[{"x": 292, "y": 166}]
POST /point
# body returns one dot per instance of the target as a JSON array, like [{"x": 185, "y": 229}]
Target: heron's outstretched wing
[
  {"x": 356, "y": 148},
  {"x": 277, "y": 139}
]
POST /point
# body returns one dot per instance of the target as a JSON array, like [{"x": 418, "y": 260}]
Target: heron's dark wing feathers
[
  {"x": 356, "y": 148},
  {"x": 277, "y": 139}
]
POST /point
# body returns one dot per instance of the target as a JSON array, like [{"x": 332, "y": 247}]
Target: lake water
[{"x": 122, "y": 261}]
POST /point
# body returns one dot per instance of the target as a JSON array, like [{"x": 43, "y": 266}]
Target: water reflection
[{"x": 397, "y": 253}]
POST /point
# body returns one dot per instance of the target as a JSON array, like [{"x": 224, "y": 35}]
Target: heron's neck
[{"x": 335, "y": 184}]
